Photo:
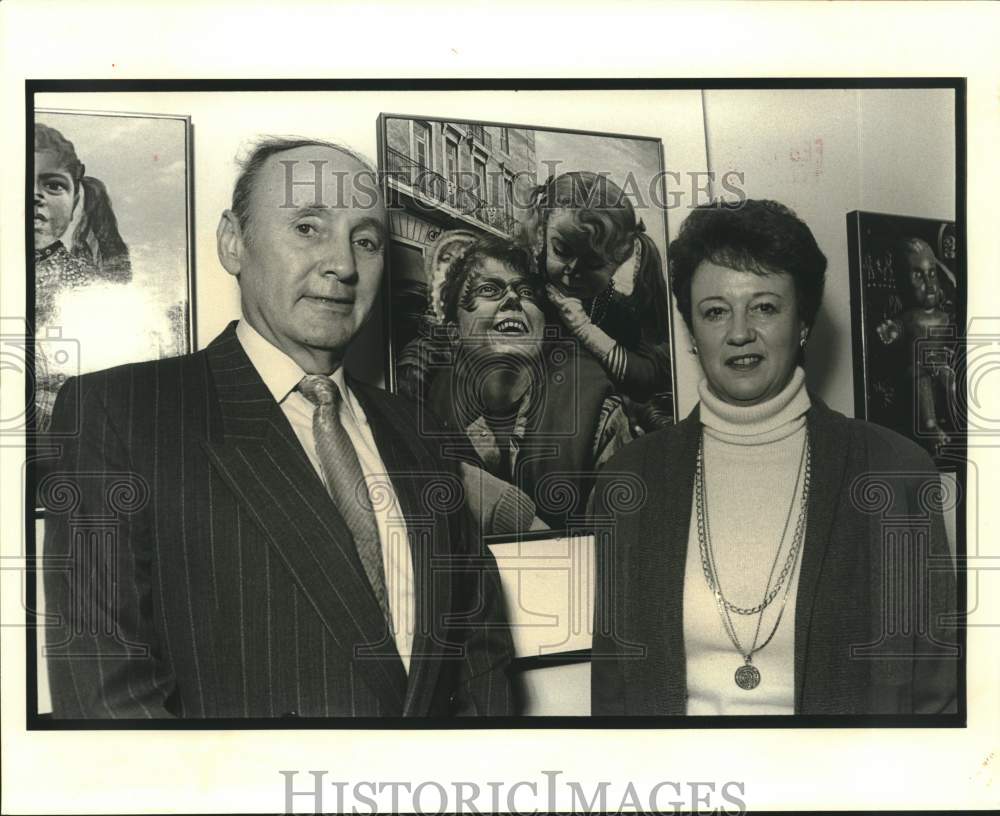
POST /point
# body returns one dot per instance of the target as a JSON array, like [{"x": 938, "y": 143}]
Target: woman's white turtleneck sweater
[{"x": 753, "y": 459}]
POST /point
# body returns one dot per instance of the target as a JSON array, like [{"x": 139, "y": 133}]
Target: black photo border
[{"x": 36, "y": 722}]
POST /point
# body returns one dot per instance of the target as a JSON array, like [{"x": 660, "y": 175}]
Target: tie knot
[{"x": 320, "y": 389}]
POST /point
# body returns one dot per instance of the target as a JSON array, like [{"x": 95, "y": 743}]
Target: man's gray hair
[{"x": 266, "y": 147}]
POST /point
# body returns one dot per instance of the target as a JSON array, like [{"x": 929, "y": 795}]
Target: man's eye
[
  {"x": 487, "y": 290},
  {"x": 560, "y": 249},
  {"x": 306, "y": 229},
  {"x": 526, "y": 292}
]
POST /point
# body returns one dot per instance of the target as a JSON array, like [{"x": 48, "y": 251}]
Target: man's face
[
  {"x": 499, "y": 311},
  {"x": 310, "y": 261},
  {"x": 55, "y": 197}
]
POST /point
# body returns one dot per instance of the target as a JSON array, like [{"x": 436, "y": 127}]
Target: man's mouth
[
  {"x": 511, "y": 325},
  {"x": 340, "y": 300},
  {"x": 745, "y": 362},
  {"x": 40, "y": 217}
]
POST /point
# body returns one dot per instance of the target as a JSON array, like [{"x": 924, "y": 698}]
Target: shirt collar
[
  {"x": 281, "y": 374},
  {"x": 484, "y": 441}
]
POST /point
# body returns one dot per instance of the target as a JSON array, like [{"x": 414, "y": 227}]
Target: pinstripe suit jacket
[{"x": 196, "y": 567}]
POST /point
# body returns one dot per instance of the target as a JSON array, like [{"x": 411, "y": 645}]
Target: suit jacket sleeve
[
  {"x": 101, "y": 644},
  {"x": 483, "y": 684}
]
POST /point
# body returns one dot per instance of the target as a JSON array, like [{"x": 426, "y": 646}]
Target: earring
[
  {"x": 802, "y": 339},
  {"x": 693, "y": 350}
]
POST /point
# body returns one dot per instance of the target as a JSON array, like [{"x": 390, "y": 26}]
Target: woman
[
  {"x": 605, "y": 276},
  {"x": 412, "y": 363},
  {"x": 748, "y": 579},
  {"x": 522, "y": 406}
]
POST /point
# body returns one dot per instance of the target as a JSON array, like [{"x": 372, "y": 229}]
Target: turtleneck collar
[{"x": 768, "y": 421}]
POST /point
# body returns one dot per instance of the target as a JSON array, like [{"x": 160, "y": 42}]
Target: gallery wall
[{"x": 821, "y": 152}]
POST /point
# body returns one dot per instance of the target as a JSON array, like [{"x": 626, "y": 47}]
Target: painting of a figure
[
  {"x": 111, "y": 219},
  {"x": 528, "y": 304},
  {"x": 907, "y": 295}
]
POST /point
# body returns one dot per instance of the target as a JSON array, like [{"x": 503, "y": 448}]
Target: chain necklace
[
  {"x": 599, "y": 305},
  {"x": 747, "y": 676}
]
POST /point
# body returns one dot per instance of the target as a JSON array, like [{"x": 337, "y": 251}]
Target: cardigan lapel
[
  {"x": 831, "y": 449},
  {"x": 257, "y": 453},
  {"x": 656, "y": 574},
  {"x": 409, "y": 465}
]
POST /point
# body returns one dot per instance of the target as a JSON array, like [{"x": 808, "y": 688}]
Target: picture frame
[
  {"x": 121, "y": 245},
  {"x": 451, "y": 182},
  {"x": 908, "y": 302}
]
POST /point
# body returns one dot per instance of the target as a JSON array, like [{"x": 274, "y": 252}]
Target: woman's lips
[
  {"x": 745, "y": 362},
  {"x": 511, "y": 325}
]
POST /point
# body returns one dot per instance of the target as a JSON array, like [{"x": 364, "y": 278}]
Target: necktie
[{"x": 345, "y": 480}]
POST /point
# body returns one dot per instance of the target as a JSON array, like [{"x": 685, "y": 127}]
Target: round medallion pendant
[{"x": 747, "y": 677}]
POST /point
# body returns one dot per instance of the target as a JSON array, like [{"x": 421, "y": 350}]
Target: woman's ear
[{"x": 229, "y": 243}]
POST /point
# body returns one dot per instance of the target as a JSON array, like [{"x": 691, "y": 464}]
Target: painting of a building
[{"x": 446, "y": 175}]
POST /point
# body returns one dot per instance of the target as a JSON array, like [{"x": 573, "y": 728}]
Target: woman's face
[
  {"x": 747, "y": 330},
  {"x": 446, "y": 255},
  {"x": 55, "y": 197},
  {"x": 570, "y": 263},
  {"x": 500, "y": 311}
]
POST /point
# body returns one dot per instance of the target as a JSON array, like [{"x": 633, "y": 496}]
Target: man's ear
[{"x": 229, "y": 243}]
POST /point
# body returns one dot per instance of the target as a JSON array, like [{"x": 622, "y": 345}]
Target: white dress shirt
[{"x": 281, "y": 374}]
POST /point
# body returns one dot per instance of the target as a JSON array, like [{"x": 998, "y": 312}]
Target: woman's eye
[
  {"x": 560, "y": 249},
  {"x": 526, "y": 292},
  {"x": 56, "y": 187},
  {"x": 766, "y": 308},
  {"x": 487, "y": 290},
  {"x": 713, "y": 313},
  {"x": 368, "y": 244}
]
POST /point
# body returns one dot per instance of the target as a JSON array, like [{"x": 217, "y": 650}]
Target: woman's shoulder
[{"x": 884, "y": 445}]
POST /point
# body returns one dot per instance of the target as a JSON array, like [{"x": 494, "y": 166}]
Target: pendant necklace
[{"x": 747, "y": 676}]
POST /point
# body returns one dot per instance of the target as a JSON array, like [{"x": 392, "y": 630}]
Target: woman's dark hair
[
  {"x": 601, "y": 209},
  {"x": 756, "y": 236},
  {"x": 506, "y": 252},
  {"x": 98, "y": 223}
]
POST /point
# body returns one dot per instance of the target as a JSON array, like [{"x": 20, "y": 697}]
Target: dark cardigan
[{"x": 853, "y": 654}]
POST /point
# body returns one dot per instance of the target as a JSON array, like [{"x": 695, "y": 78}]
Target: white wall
[
  {"x": 822, "y": 152},
  {"x": 225, "y": 123},
  {"x": 825, "y": 153}
]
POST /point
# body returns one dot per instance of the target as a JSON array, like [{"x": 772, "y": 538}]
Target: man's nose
[{"x": 338, "y": 259}]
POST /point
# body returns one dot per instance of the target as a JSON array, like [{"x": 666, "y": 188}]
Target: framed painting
[
  {"x": 908, "y": 304},
  {"x": 112, "y": 224},
  {"x": 528, "y": 304}
]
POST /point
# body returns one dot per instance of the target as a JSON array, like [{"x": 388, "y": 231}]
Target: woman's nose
[{"x": 741, "y": 331}]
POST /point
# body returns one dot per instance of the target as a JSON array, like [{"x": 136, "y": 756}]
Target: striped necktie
[{"x": 345, "y": 480}]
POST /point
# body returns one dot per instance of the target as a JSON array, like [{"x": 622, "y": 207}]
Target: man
[
  {"x": 272, "y": 537},
  {"x": 525, "y": 405}
]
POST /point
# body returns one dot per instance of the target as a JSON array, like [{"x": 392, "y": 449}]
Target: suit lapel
[
  {"x": 410, "y": 467},
  {"x": 258, "y": 455},
  {"x": 830, "y": 451}
]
